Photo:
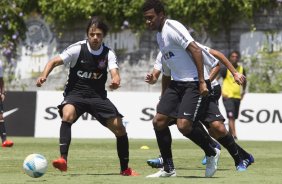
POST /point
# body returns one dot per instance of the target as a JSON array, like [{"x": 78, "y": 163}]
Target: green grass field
[{"x": 95, "y": 161}]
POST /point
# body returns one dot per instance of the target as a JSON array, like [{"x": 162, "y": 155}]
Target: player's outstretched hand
[
  {"x": 149, "y": 78},
  {"x": 239, "y": 78},
  {"x": 40, "y": 81},
  {"x": 114, "y": 85}
]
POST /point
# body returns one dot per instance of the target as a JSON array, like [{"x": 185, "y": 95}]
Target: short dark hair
[
  {"x": 236, "y": 52},
  {"x": 157, "y": 5},
  {"x": 99, "y": 23}
]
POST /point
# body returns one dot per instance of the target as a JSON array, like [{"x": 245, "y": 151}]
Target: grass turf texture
[{"x": 95, "y": 161}]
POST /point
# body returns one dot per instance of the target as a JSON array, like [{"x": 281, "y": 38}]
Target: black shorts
[
  {"x": 212, "y": 113},
  {"x": 100, "y": 108},
  {"x": 216, "y": 92},
  {"x": 232, "y": 106},
  {"x": 182, "y": 100}
]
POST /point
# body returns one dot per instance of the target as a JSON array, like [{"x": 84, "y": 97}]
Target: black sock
[
  {"x": 65, "y": 138},
  {"x": 201, "y": 126},
  {"x": 122, "y": 150},
  {"x": 242, "y": 152},
  {"x": 202, "y": 139},
  {"x": 2, "y": 131},
  {"x": 164, "y": 142},
  {"x": 229, "y": 143}
]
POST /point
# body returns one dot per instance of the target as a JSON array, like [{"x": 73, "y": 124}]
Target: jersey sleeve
[
  {"x": 158, "y": 62},
  {"x": 180, "y": 34},
  {"x": 112, "y": 60},
  {"x": 71, "y": 54},
  {"x": 209, "y": 60},
  {"x": 159, "y": 65}
]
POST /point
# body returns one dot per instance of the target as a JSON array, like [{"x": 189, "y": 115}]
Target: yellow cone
[{"x": 144, "y": 147}]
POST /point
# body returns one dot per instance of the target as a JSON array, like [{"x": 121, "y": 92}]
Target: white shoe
[
  {"x": 211, "y": 166},
  {"x": 162, "y": 173}
]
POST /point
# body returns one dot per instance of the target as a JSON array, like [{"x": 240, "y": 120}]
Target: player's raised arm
[{"x": 56, "y": 61}]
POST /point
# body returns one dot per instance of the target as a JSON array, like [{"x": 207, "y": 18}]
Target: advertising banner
[{"x": 260, "y": 116}]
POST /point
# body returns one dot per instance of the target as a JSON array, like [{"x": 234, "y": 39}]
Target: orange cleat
[
  {"x": 7, "y": 143},
  {"x": 129, "y": 172},
  {"x": 60, "y": 164}
]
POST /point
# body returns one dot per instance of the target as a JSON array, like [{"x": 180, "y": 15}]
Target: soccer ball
[{"x": 35, "y": 165}]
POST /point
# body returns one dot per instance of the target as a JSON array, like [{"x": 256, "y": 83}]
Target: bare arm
[
  {"x": 152, "y": 78},
  {"x": 56, "y": 61},
  {"x": 115, "y": 83},
  {"x": 196, "y": 52},
  {"x": 214, "y": 72},
  {"x": 238, "y": 77}
]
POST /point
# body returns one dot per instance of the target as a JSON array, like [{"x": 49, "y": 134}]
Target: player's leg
[
  {"x": 214, "y": 143},
  {"x": 166, "y": 108},
  {"x": 192, "y": 107},
  {"x": 158, "y": 162},
  {"x": 164, "y": 141},
  {"x": 69, "y": 116},
  {"x": 230, "y": 113},
  {"x": 107, "y": 114},
  {"x": 115, "y": 125},
  {"x": 3, "y": 134}
]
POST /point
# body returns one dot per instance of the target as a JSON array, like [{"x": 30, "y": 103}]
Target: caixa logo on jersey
[
  {"x": 260, "y": 116},
  {"x": 52, "y": 113}
]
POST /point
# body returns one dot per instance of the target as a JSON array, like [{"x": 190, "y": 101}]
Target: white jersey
[
  {"x": 71, "y": 54},
  {"x": 209, "y": 62},
  {"x": 173, "y": 41}
]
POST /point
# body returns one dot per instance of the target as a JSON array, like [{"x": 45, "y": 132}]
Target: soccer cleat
[
  {"x": 162, "y": 174},
  {"x": 204, "y": 161},
  {"x": 241, "y": 166},
  {"x": 155, "y": 163},
  {"x": 129, "y": 172},
  {"x": 7, "y": 143},
  {"x": 60, "y": 164},
  {"x": 248, "y": 161},
  {"x": 211, "y": 166}
]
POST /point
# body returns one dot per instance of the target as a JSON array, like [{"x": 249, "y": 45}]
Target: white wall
[{"x": 260, "y": 116}]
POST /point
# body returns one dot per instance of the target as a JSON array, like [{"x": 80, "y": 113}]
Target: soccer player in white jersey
[
  {"x": 182, "y": 62},
  {"x": 209, "y": 62},
  {"x": 187, "y": 91}
]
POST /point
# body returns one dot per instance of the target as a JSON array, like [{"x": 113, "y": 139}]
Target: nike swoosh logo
[
  {"x": 5, "y": 114},
  {"x": 217, "y": 115},
  {"x": 186, "y": 114}
]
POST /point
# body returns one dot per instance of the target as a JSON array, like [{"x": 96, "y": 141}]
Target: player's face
[
  {"x": 234, "y": 58},
  {"x": 95, "y": 37},
  {"x": 152, "y": 19}
]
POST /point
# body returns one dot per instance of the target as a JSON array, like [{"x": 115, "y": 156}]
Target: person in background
[
  {"x": 232, "y": 93},
  {"x": 3, "y": 134},
  {"x": 89, "y": 62}
]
